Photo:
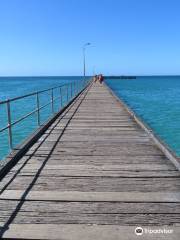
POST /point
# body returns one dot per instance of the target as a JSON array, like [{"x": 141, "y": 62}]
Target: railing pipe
[
  {"x": 30, "y": 94},
  {"x": 75, "y": 87}
]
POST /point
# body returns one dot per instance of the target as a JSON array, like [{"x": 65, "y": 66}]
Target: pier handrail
[
  {"x": 33, "y": 93},
  {"x": 72, "y": 89}
]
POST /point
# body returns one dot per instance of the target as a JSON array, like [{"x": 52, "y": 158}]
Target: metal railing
[{"x": 71, "y": 90}]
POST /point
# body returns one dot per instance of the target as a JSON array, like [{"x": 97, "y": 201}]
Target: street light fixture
[{"x": 84, "y": 56}]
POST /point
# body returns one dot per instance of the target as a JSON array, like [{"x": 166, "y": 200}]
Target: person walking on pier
[{"x": 101, "y": 78}]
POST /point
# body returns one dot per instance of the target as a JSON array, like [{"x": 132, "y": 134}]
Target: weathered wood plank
[
  {"x": 102, "y": 167},
  {"x": 99, "y": 173},
  {"x": 91, "y": 212},
  {"x": 97, "y": 160},
  {"x": 83, "y": 231},
  {"x": 89, "y": 207},
  {"x": 99, "y": 184},
  {"x": 92, "y": 171},
  {"x": 78, "y": 196}
]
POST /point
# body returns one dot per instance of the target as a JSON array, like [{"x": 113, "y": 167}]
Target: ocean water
[
  {"x": 11, "y": 87},
  {"x": 156, "y": 100}
]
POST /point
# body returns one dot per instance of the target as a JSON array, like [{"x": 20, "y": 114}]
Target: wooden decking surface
[{"x": 94, "y": 174}]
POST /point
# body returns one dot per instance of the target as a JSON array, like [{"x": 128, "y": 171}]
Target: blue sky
[{"x": 45, "y": 37}]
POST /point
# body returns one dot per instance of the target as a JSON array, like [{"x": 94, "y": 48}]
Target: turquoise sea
[
  {"x": 156, "y": 99},
  {"x": 11, "y": 87}
]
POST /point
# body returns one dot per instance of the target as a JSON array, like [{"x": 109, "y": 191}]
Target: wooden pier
[{"x": 94, "y": 174}]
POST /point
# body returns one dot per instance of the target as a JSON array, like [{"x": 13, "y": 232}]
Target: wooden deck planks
[
  {"x": 83, "y": 231},
  {"x": 93, "y": 166}
]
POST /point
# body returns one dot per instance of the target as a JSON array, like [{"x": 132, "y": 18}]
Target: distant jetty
[{"x": 120, "y": 77}]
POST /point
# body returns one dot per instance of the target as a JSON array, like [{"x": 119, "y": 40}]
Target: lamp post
[{"x": 84, "y": 57}]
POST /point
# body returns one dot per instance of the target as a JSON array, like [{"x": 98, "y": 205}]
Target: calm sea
[
  {"x": 11, "y": 87},
  {"x": 157, "y": 101}
]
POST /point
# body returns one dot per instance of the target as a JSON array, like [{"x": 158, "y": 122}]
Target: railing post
[
  {"x": 75, "y": 88},
  {"x": 67, "y": 93},
  {"x": 9, "y": 125},
  {"x": 71, "y": 89},
  {"x": 52, "y": 100},
  {"x": 38, "y": 112},
  {"x": 60, "y": 90},
  {"x": 77, "y": 85}
]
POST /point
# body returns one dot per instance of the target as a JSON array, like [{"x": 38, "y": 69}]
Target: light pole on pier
[{"x": 84, "y": 57}]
